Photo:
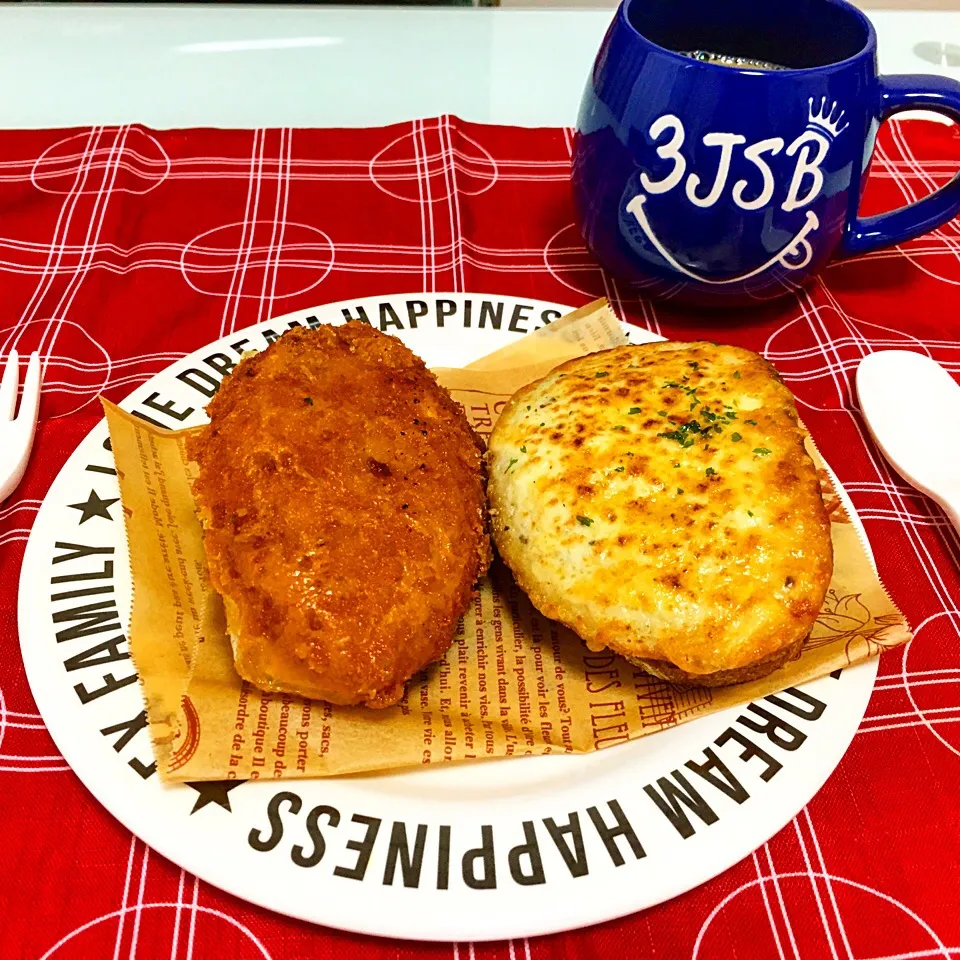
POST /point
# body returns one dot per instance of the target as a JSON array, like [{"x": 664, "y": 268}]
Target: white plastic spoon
[{"x": 912, "y": 407}]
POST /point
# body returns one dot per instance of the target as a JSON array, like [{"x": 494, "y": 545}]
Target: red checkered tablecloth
[{"x": 122, "y": 249}]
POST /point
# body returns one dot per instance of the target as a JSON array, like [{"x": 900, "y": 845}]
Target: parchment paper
[{"x": 513, "y": 683}]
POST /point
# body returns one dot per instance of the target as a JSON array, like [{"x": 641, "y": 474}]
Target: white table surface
[{"x": 244, "y": 66}]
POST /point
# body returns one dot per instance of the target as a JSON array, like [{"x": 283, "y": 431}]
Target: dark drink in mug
[{"x": 730, "y": 60}]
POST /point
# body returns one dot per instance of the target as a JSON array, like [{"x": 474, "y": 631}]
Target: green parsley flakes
[
  {"x": 523, "y": 449},
  {"x": 632, "y": 411},
  {"x": 749, "y": 513},
  {"x": 602, "y": 373},
  {"x": 584, "y": 521},
  {"x": 735, "y": 437},
  {"x": 662, "y": 413},
  {"x": 308, "y": 401},
  {"x": 619, "y": 426},
  {"x": 679, "y": 491},
  {"x": 710, "y": 472},
  {"x": 693, "y": 364},
  {"x": 618, "y": 469},
  {"x": 736, "y": 374},
  {"x": 682, "y": 433},
  {"x": 752, "y": 422},
  {"x": 761, "y": 451},
  {"x": 510, "y": 465}
]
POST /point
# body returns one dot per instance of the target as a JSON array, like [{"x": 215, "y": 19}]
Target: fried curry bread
[
  {"x": 659, "y": 501},
  {"x": 341, "y": 492}
]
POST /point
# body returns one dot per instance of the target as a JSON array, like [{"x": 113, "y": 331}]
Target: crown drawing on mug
[{"x": 824, "y": 119}]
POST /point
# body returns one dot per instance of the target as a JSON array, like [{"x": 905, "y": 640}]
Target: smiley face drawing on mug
[{"x": 809, "y": 149}]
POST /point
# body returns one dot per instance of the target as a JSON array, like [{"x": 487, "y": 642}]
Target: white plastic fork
[{"x": 17, "y": 429}]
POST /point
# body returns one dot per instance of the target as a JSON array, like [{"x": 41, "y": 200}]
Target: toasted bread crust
[{"x": 722, "y": 678}]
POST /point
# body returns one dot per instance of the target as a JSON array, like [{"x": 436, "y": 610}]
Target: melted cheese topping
[{"x": 658, "y": 500}]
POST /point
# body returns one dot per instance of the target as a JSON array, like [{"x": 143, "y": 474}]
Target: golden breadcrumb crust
[{"x": 342, "y": 495}]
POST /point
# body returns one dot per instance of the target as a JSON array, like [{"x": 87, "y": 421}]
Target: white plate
[{"x": 503, "y": 800}]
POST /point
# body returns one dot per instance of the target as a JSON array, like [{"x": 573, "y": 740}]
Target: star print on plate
[
  {"x": 94, "y": 506},
  {"x": 214, "y": 791}
]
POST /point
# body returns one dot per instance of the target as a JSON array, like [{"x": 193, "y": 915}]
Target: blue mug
[{"x": 726, "y": 185}]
